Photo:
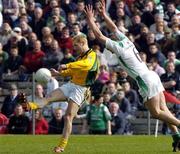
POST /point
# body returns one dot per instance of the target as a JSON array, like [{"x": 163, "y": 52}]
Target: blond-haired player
[{"x": 83, "y": 73}]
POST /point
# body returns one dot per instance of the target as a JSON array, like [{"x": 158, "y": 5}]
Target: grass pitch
[{"x": 85, "y": 144}]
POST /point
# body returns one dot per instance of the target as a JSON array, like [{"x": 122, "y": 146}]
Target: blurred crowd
[{"x": 38, "y": 33}]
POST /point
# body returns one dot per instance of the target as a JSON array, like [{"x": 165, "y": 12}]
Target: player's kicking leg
[
  {"x": 71, "y": 112},
  {"x": 56, "y": 95}
]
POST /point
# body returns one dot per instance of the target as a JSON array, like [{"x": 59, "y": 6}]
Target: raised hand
[
  {"x": 102, "y": 7},
  {"x": 89, "y": 12}
]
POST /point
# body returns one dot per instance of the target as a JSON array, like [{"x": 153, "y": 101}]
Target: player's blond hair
[{"x": 80, "y": 38}]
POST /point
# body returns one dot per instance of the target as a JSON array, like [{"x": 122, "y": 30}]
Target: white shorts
[
  {"x": 74, "y": 92},
  {"x": 149, "y": 85}
]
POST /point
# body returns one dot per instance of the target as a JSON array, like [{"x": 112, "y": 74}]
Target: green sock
[{"x": 176, "y": 136}]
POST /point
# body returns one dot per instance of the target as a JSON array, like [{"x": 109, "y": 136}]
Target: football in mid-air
[{"x": 42, "y": 75}]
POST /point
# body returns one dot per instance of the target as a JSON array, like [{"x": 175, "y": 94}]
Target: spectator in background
[
  {"x": 10, "y": 101},
  {"x": 46, "y": 31},
  {"x": 3, "y": 57},
  {"x": 59, "y": 11},
  {"x": 46, "y": 43},
  {"x": 141, "y": 38},
  {"x": 19, "y": 122},
  {"x": 30, "y": 7},
  {"x": 68, "y": 6},
  {"x": 3, "y": 123},
  {"x": 33, "y": 59},
  {"x": 21, "y": 3},
  {"x": 123, "y": 102},
  {"x": 156, "y": 67},
  {"x": 171, "y": 79},
  {"x": 148, "y": 13},
  {"x": 121, "y": 15},
  {"x": 118, "y": 121},
  {"x": 103, "y": 76},
  {"x": 136, "y": 25},
  {"x": 54, "y": 19},
  {"x": 150, "y": 39},
  {"x": 167, "y": 43},
  {"x": 114, "y": 78},
  {"x": 39, "y": 94},
  {"x": 155, "y": 52},
  {"x": 32, "y": 37},
  {"x": 143, "y": 57},
  {"x": 106, "y": 99},
  {"x": 56, "y": 124},
  {"x": 171, "y": 57},
  {"x": 71, "y": 19},
  {"x": 102, "y": 80},
  {"x": 17, "y": 40},
  {"x": 68, "y": 57},
  {"x": 58, "y": 30},
  {"x": 111, "y": 88},
  {"x": 160, "y": 28},
  {"x": 158, "y": 20},
  {"x": 132, "y": 96},
  {"x": 175, "y": 30},
  {"x": 65, "y": 42},
  {"x": 25, "y": 28},
  {"x": 53, "y": 58},
  {"x": 80, "y": 12},
  {"x": 98, "y": 117},
  {"x": 38, "y": 22},
  {"x": 5, "y": 33},
  {"x": 76, "y": 30},
  {"x": 10, "y": 10},
  {"x": 14, "y": 62},
  {"x": 123, "y": 77},
  {"x": 41, "y": 126},
  {"x": 171, "y": 11}
]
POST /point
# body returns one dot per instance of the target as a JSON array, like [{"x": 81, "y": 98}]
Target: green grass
[{"x": 85, "y": 144}]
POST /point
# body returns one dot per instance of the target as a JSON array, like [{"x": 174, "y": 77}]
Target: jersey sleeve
[
  {"x": 120, "y": 35},
  {"x": 114, "y": 47}
]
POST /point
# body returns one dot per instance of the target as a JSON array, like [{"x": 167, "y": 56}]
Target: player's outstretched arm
[
  {"x": 90, "y": 19},
  {"x": 102, "y": 11},
  {"x": 109, "y": 23}
]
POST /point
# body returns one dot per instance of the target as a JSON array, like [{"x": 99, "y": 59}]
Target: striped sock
[{"x": 63, "y": 143}]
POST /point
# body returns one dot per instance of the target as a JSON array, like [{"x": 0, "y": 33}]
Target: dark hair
[
  {"x": 97, "y": 97},
  {"x": 157, "y": 45}
]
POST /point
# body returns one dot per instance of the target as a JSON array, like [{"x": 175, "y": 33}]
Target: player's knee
[
  {"x": 155, "y": 114},
  {"x": 68, "y": 117}
]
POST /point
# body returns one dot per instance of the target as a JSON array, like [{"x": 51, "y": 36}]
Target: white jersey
[
  {"x": 128, "y": 55},
  {"x": 148, "y": 81}
]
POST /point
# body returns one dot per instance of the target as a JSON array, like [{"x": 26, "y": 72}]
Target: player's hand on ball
[
  {"x": 54, "y": 72},
  {"x": 62, "y": 67}
]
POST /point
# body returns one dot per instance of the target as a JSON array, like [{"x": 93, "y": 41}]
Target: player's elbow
[{"x": 102, "y": 38}]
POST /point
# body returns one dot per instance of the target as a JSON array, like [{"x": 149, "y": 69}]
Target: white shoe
[{"x": 58, "y": 150}]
